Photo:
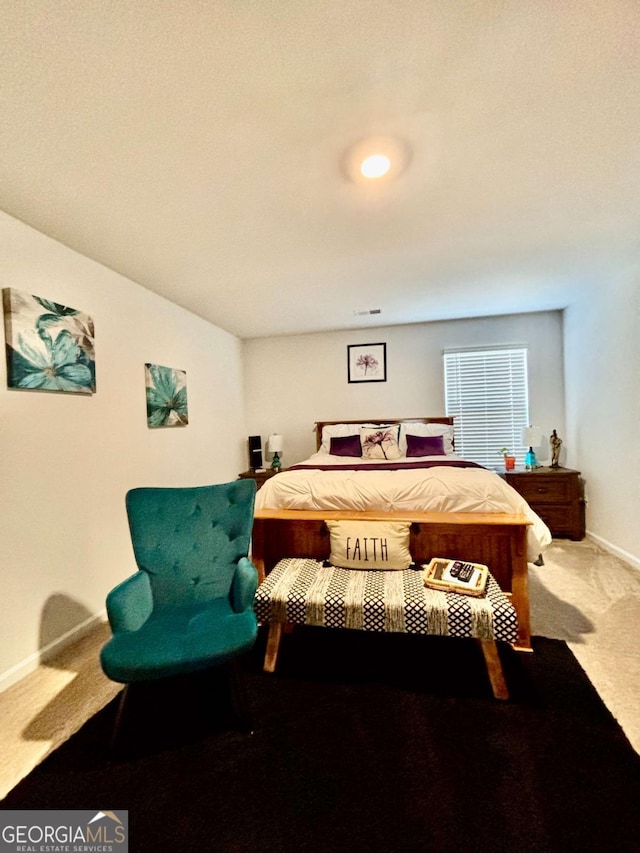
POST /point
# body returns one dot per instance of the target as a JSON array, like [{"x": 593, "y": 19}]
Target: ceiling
[{"x": 197, "y": 148}]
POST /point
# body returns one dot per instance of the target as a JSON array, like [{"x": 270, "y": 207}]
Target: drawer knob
[{"x": 542, "y": 490}]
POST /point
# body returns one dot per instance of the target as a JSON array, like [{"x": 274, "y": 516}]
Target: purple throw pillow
[
  {"x": 425, "y": 445},
  {"x": 346, "y": 445}
]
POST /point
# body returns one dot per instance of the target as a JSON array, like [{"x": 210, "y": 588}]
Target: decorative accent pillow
[
  {"x": 425, "y": 445},
  {"x": 370, "y": 544},
  {"x": 338, "y": 431},
  {"x": 380, "y": 442},
  {"x": 445, "y": 430},
  {"x": 345, "y": 445}
]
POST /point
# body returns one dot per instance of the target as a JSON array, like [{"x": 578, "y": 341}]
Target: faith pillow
[{"x": 370, "y": 544}]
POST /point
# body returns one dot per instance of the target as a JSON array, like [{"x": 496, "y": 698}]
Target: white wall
[
  {"x": 602, "y": 356},
  {"x": 291, "y": 382},
  {"x": 68, "y": 460}
]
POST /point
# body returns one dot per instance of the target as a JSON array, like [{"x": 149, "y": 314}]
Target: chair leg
[
  {"x": 118, "y": 721},
  {"x": 239, "y": 697}
]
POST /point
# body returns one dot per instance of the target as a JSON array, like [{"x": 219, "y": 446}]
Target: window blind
[{"x": 486, "y": 391}]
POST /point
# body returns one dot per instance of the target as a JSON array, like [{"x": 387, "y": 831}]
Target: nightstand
[
  {"x": 556, "y": 495},
  {"x": 259, "y": 476}
]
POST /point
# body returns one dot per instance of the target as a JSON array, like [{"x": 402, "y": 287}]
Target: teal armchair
[{"x": 189, "y": 606}]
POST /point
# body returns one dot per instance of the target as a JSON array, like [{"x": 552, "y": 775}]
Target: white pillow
[
  {"x": 380, "y": 442},
  {"x": 445, "y": 430},
  {"x": 370, "y": 544},
  {"x": 338, "y": 430}
]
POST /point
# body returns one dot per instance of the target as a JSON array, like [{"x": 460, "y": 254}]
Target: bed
[{"x": 456, "y": 508}]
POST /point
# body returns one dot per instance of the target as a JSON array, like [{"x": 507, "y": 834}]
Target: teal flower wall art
[
  {"x": 49, "y": 347},
  {"x": 166, "y": 396}
]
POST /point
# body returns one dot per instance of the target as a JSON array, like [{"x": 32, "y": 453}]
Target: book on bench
[{"x": 456, "y": 576}]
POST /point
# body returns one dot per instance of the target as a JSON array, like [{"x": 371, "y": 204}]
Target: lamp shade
[
  {"x": 532, "y": 436},
  {"x": 274, "y": 443}
]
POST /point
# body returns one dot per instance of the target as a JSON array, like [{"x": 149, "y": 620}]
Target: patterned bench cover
[{"x": 306, "y": 592}]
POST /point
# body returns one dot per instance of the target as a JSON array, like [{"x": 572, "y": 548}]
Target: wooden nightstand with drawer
[
  {"x": 259, "y": 476},
  {"x": 556, "y": 495}
]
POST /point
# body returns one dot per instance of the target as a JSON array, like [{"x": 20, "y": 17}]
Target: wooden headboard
[{"x": 442, "y": 419}]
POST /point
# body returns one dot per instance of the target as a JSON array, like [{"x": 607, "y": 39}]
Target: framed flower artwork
[
  {"x": 49, "y": 347},
  {"x": 166, "y": 390},
  {"x": 367, "y": 362}
]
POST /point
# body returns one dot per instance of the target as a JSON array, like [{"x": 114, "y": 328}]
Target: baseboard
[
  {"x": 613, "y": 549},
  {"x": 33, "y": 661}
]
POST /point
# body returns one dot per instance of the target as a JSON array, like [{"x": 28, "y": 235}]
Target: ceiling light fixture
[
  {"x": 377, "y": 158},
  {"x": 375, "y": 166}
]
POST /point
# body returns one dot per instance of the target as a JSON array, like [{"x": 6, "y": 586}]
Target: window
[{"x": 486, "y": 392}]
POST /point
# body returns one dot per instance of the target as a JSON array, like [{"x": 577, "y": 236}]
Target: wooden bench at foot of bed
[{"x": 498, "y": 540}]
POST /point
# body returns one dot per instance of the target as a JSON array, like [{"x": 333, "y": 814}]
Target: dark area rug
[{"x": 362, "y": 742}]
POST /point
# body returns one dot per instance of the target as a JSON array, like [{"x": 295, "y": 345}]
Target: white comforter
[{"x": 437, "y": 489}]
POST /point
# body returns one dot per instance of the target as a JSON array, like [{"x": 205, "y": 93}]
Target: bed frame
[{"x": 496, "y": 539}]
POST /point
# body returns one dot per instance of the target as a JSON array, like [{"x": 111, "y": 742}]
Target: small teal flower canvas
[
  {"x": 166, "y": 396},
  {"x": 49, "y": 347}
]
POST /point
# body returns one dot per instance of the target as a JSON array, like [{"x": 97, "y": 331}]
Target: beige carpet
[
  {"x": 582, "y": 595},
  {"x": 591, "y": 599}
]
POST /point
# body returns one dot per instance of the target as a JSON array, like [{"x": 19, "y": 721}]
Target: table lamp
[
  {"x": 274, "y": 443},
  {"x": 532, "y": 437}
]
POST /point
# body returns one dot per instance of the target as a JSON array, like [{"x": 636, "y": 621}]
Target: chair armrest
[
  {"x": 243, "y": 585},
  {"x": 129, "y": 604}
]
